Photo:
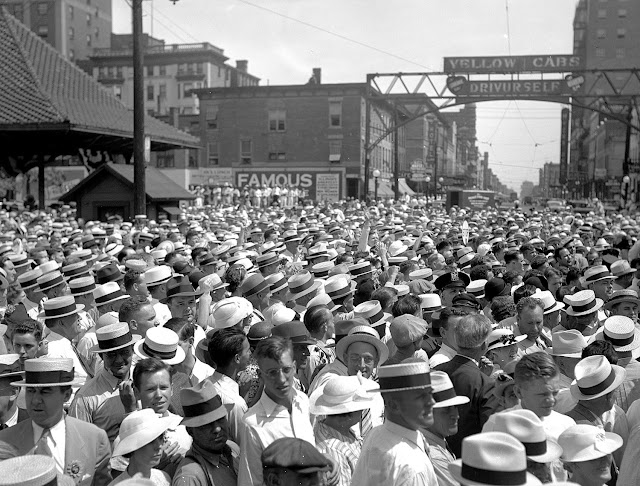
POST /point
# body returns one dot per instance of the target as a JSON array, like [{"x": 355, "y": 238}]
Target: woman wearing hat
[
  {"x": 141, "y": 441},
  {"x": 341, "y": 401},
  {"x": 587, "y": 454}
]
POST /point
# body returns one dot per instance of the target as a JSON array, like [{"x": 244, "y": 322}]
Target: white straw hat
[
  {"x": 342, "y": 394},
  {"x": 443, "y": 392},
  {"x": 46, "y": 372},
  {"x": 140, "y": 428},
  {"x": 161, "y": 343},
  {"x": 584, "y": 442},
  {"x": 595, "y": 377}
]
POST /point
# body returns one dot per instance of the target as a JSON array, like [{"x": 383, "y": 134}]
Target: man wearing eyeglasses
[{"x": 281, "y": 411}]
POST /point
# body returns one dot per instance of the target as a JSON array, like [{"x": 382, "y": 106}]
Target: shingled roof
[
  {"x": 43, "y": 92},
  {"x": 159, "y": 187}
]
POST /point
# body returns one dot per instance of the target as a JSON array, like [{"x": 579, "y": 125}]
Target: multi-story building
[
  {"x": 73, "y": 27},
  {"x": 549, "y": 180},
  {"x": 606, "y": 36},
  {"x": 172, "y": 72},
  {"x": 526, "y": 189}
]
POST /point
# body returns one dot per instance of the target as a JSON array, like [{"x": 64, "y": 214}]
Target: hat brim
[
  {"x": 316, "y": 285},
  {"x": 208, "y": 417},
  {"x": 159, "y": 282},
  {"x": 556, "y": 307},
  {"x": 146, "y": 435},
  {"x": 551, "y": 352},
  {"x": 609, "y": 304},
  {"x": 120, "y": 297},
  {"x": 177, "y": 359},
  {"x": 598, "y": 306},
  {"x": 79, "y": 307},
  {"x": 23, "y": 383},
  {"x": 455, "y": 468},
  {"x": 458, "y": 400},
  {"x": 611, "y": 443},
  {"x": 626, "y": 272},
  {"x": 635, "y": 344},
  {"x": 97, "y": 349},
  {"x": 501, "y": 345},
  {"x": 345, "y": 342},
  {"x": 619, "y": 378},
  {"x": 554, "y": 451},
  {"x": 585, "y": 283},
  {"x": 195, "y": 293}
]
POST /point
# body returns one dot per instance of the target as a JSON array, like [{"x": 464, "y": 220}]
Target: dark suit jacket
[
  {"x": 86, "y": 446},
  {"x": 470, "y": 382}
]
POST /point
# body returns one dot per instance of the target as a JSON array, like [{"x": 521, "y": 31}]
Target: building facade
[{"x": 75, "y": 28}]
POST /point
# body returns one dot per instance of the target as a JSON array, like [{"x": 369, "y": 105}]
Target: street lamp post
[
  {"x": 376, "y": 176},
  {"x": 441, "y": 181},
  {"x": 626, "y": 180},
  {"x": 427, "y": 180}
]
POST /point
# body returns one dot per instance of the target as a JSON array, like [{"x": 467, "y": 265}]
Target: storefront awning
[
  {"x": 384, "y": 188},
  {"x": 404, "y": 187},
  {"x": 173, "y": 211}
]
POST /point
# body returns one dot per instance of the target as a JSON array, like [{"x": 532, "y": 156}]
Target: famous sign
[
  {"x": 514, "y": 64},
  {"x": 535, "y": 88}
]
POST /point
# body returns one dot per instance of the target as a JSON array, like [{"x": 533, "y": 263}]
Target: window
[
  {"x": 117, "y": 91},
  {"x": 194, "y": 127},
  {"x": 602, "y": 13},
  {"x": 193, "y": 161},
  {"x": 89, "y": 40},
  {"x": 277, "y": 120},
  {"x": 149, "y": 70},
  {"x": 43, "y": 8},
  {"x": 214, "y": 158},
  {"x": 601, "y": 33},
  {"x": 600, "y": 52},
  {"x": 335, "y": 113},
  {"x": 17, "y": 11},
  {"x": 622, "y": 13},
  {"x": 622, "y": 32},
  {"x": 620, "y": 54},
  {"x": 162, "y": 91},
  {"x": 165, "y": 159},
  {"x": 200, "y": 67},
  {"x": 163, "y": 70},
  {"x": 71, "y": 12},
  {"x": 246, "y": 150},
  {"x": 211, "y": 116},
  {"x": 119, "y": 73},
  {"x": 335, "y": 150},
  {"x": 71, "y": 33},
  {"x": 150, "y": 93},
  {"x": 43, "y": 30},
  {"x": 179, "y": 90},
  {"x": 277, "y": 156},
  {"x": 187, "y": 87}
]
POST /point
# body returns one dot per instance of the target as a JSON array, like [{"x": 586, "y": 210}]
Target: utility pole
[
  {"x": 435, "y": 165},
  {"x": 396, "y": 156},
  {"x": 139, "y": 183}
]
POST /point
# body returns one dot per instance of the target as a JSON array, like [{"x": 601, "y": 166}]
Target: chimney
[
  {"x": 242, "y": 65},
  {"x": 317, "y": 75}
]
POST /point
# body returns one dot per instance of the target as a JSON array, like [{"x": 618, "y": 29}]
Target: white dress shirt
[
  {"x": 56, "y": 442},
  {"x": 443, "y": 355},
  {"x": 230, "y": 395}
]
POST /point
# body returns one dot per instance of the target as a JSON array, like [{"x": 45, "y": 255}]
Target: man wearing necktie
[{"x": 79, "y": 449}]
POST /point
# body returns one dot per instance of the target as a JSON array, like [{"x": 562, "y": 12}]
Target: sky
[{"x": 283, "y": 40}]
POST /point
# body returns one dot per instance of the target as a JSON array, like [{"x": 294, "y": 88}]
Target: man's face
[
  {"x": 445, "y": 421},
  {"x": 301, "y": 355},
  {"x": 183, "y": 307},
  {"x": 11, "y": 271},
  {"x": 212, "y": 436},
  {"x": 530, "y": 322},
  {"x": 627, "y": 309},
  {"x": 449, "y": 293},
  {"x": 564, "y": 256},
  {"x": 596, "y": 471},
  {"x": 245, "y": 355},
  {"x": 602, "y": 288},
  {"x": 46, "y": 405},
  {"x": 415, "y": 407},
  {"x": 361, "y": 357},
  {"x": 517, "y": 265},
  {"x": 155, "y": 391},
  {"x": 554, "y": 283},
  {"x": 139, "y": 288},
  {"x": 552, "y": 319},
  {"x": 118, "y": 362},
  {"x": 25, "y": 345},
  {"x": 145, "y": 319},
  {"x": 538, "y": 394},
  {"x": 278, "y": 376}
]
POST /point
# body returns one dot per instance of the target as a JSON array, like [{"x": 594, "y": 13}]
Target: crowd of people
[
  {"x": 254, "y": 195},
  {"x": 339, "y": 344}
]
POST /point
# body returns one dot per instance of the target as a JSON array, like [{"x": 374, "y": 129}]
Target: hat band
[
  {"x": 444, "y": 395},
  {"x": 360, "y": 271},
  {"x": 82, "y": 290},
  {"x": 619, "y": 341},
  {"x": 503, "y": 478},
  {"x": 29, "y": 283},
  {"x": 158, "y": 354},
  {"x": 116, "y": 341},
  {"x": 75, "y": 271},
  {"x": 44, "y": 377},
  {"x": 108, "y": 297},
  {"x": 405, "y": 381},
  {"x": 268, "y": 262},
  {"x": 621, "y": 298},
  {"x": 182, "y": 289},
  {"x": 597, "y": 276},
  {"x": 321, "y": 273},
  {"x": 278, "y": 285},
  {"x": 549, "y": 307},
  {"x": 339, "y": 292},
  {"x": 535, "y": 448},
  {"x": 257, "y": 289},
  {"x": 603, "y": 385},
  {"x": 585, "y": 307},
  {"x": 305, "y": 286},
  {"x": 203, "y": 408},
  {"x": 431, "y": 309},
  {"x": 507, "y": 340},
  {"x": 475, "y": 293},
  {"x": 376, "y": 317},
  {"x": 52, "y": 283},
  {"x": 53, "y": 313}
]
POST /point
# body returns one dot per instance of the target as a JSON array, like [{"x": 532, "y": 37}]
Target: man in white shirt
[{"x": 448, "y": 320}]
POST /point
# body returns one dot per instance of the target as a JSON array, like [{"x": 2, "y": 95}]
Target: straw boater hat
[
  {"x": 621, "y": 332},
  {"x": 621, "y": 268},
  {"x": 60, "y": 307},
  {"x": 254, "y": 284},
  {"x": 525, "y": 426},
  {"x": 140, "y": 428},
  {"x": 492, "y": 458},
  {"x": 113, "y": 337},
  {"x": 596, "y": 377},
  {"x": 371, "y": 310},
  {"x": 269, "y": 258},
  {"x": 108, "y": 293},
  {"x": 404, "y": 376},
  {"x": 74, "y": 270},
  {"x": 46, "y": 372},
  {"x": 422, "y": 274},
  {"x": 323, "y": 300},
  {"x": 584, "y": 442},
  {"x": 276, "y": 281},
  {"x": 202, "y": 405},
  {"x": 363, "y": 334},
  {"x": 360, "y": 269},
  {"x": 161, "y": 343},
  {"x": 19, "y": 261},
  {"x": 214, "y": 281},
  {"x": 501, "y": 338},
  {"x": 568, "y": 344},
  {"x": 302, "y": 284},
  {"x": 338, "y": 286},
  {"x": 476, "y": 288},
  {"x": 29, "y": 280},
  {"x": 582, "y": 303},
  {"x": 322, "y": 269},
  {"x": 619, "y": 296},
  {"x": 548, "y": 301},
  {"x": 32, "y": 470},
  {"x": 82, "y": 285},
  {"x": 343, "y": 394},
  {"x": 443, "y": 392},
  {"x": 157, "y": 275},
  {"x": 430, "y": 303},
  {"x": 231, "y": 311},
  {"x": 50, "y": 280},
  {"x": 595, "y": 274},
  {"x": 48, "y": 266}
]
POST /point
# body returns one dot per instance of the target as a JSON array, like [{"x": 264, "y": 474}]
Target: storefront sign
[
  {"x": 513, "y": 64},
  {"x": 317, "y": 184},
  {"x": 499, "y": 89},
  {"x": 211, "y": 176}
]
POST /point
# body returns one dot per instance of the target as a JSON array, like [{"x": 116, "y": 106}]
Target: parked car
[
  {"x": 582, "y": 206},
  {"x": 556, "y": 205}
]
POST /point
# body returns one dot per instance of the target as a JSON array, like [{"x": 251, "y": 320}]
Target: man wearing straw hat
[
  {"x": 10, "y": 370},
  {"x": 395, "y": 453},
  {"x": 98, "y": 401},
  {"x": 211, "y": 459},
  {"x": 80, "y": 450}
]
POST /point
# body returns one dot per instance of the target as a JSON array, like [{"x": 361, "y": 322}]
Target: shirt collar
[
  {"x": 434, "y": 439},
  {"x": 13, "y": 419},
  {"x": 57, "y": 431},
  {"x": 112, "y": 380},
  {"x": 410, "y": 435},
  {"x": 270, "y": 406},
  {"x": 470, "y": 359},
  {"x": 224, "y": 379}
]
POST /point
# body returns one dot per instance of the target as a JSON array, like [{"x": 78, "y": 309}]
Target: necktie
[
  {"x": 365, "y": 422},
  {"x": 42, "y": 447},
  {"x": 83, "y": 361}
]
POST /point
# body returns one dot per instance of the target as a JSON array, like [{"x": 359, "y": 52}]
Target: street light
[
  {"x": 376, "y": 176},
  {"x": 427, "y": 180},
  {"x": 626, "y": 180},
  {"x": 441, "y": 181}
]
